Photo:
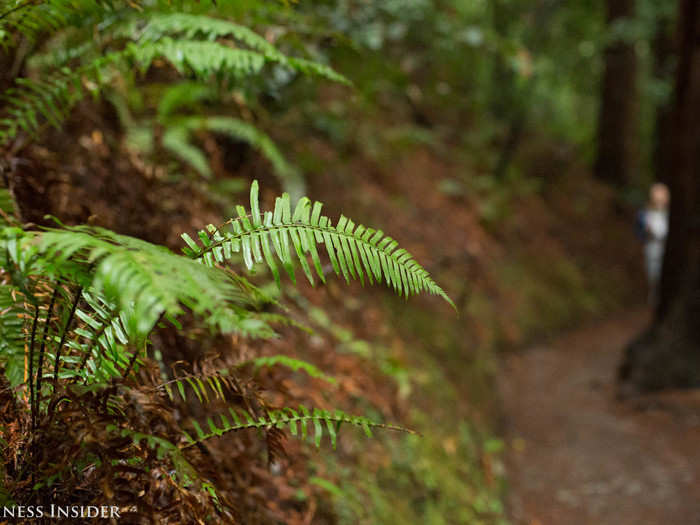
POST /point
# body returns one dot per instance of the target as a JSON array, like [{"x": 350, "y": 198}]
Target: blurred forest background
[{"x": 507, "y": 144}]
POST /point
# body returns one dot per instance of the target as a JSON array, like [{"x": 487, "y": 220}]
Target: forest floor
[{"x": 579, "y": 455}]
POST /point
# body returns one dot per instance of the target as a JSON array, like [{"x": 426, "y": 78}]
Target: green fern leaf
[
  {"x": 183, "y": 94},
  {"x": 354, "y": 251},
  {"x": 52, "y": 99},
  {"x": 179, "y": 131},
  {"x": 143, "y": 280},
  {"x": 191, "y": 26},
  {"x": 287, "y": 418},
  {"x": 176, "y": 139},
  {"x": 12, "y": 333},
  {"x": 289, "y": 362}
]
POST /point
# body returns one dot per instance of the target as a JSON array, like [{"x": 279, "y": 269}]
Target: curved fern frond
[
  {"x": 176, "y": 139},
  {"x": 282, "y": 235},
  {"x": 302, "y": 422},
  {"x": 292, "y": 363},
  {"x": 144, "y": 280},
  {"x": 198, "y": 58},
  {"x": 191, "y": 26},
  {"x": 183, "y": 94}
]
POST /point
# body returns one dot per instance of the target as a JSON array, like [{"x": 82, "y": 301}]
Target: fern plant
[
  {"x": 82, "y": 310},
  {"x": 97, "y": 409},
  {"x": 141, "y": 37}
]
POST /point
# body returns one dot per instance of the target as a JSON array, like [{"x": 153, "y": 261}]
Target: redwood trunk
[
  {"x": 668, "y": 354},
  {"x": 664, "y": 50},
  {"x": 617, "y": 123}
]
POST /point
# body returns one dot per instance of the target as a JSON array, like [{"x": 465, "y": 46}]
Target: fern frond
[
  {"x": 292, "y": 363},
  {"x": 103, "y": 354},
  {"x": 190, "y": 26},
  {"x": 52, "y": 99},
  {"x": 314, "y": 68},
  {"x": 145, "y": 281},
  {"x": 203, "y": 385},
  {"x": 198, "y": 58},
  {"x": 302, "y": 422},
  {"x": 30, "y": 18},
  {"x": 214, "y": 385},
  {"x": 193, "y": 27},
  {"x": 178, "y": 132},
  {"x": 163, "y": 448},
  {"x": 176, "y": 139},
  {"x": 12, "y": 333},
  {"x": 183, "y": 94},
  {"x": 354, "y": 250}
]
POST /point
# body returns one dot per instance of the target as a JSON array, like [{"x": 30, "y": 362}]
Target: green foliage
[
  {"x": 31, "y": 19},
  {"x": 52, "y": 97},
  {"x": 354, "y": 250},
  {"x": 183, "y": 95},
  {"x": 12, "y": 334},
  {"x": 217, "y": 53},
  {"x": 104, "y": 354},
  {"x": 196, "y": 51},
  {"x": 7, "y": 207},
  {"x": 88, "y": 306},
  {"x": 214, "y": 385},
  {"x": 81, "y": 306},
  {"x": 292, "y": 363},
  {"x": 192, "y": 26},
  {"x": 145, "y": 280},
  {"x": 179, "y": 132},
  {"x": 297, "y": 421}
]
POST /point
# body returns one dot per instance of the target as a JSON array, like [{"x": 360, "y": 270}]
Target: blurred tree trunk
[
  {"x": 663, "y": 46},
  {"x": 668, "y": 354},
  {"x": 617, "y": 123}
]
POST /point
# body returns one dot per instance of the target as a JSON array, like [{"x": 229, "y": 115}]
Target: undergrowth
[{"x": 95, "y": 408}]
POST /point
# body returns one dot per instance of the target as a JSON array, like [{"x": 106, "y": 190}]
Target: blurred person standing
[{"x": 653, "y": 225}]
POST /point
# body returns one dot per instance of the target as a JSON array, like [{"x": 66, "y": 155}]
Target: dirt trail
[{"x": 579, "y": 456}]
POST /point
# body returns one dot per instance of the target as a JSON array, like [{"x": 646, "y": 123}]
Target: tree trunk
[
  {"x": 617, "y": 129},
  {"x": 668, "y": 354},
  {"x": 663, "y": 46}
]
